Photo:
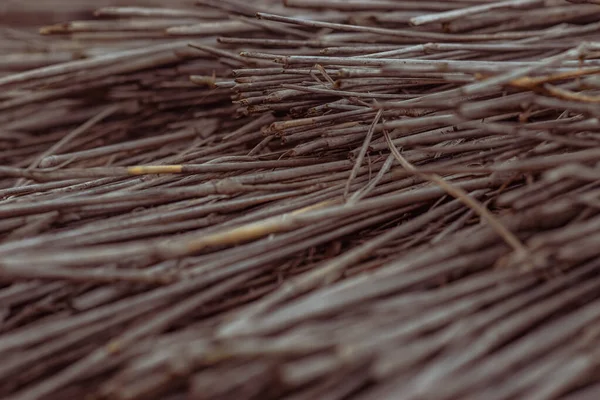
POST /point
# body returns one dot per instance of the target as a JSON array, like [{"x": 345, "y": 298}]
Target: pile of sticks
[{"x": 300, "y": 199}]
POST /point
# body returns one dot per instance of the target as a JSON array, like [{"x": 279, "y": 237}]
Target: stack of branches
[{"x": 302, "y": 199}]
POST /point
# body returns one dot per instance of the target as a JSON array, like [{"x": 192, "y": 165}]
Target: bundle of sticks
[{"x": 300, "y": 199}]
